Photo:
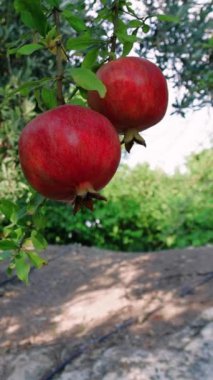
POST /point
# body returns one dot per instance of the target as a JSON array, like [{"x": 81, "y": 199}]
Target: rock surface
[
  {"x": 167, "y": 296},
  {"x": 193, "y": 361},
  {"x": 190, "y": 357}
]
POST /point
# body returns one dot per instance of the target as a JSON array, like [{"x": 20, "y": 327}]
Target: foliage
[
  {"x": 147, "y": 210},
  {"x": 22, "y": 237},
  {"x": 183, "y": 47}
]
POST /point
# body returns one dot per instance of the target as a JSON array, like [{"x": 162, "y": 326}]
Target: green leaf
[
  {"x": 127, "y": 47},
  {"x": 88, "y": 80},
  {"x": 126, "y": 38},
  {"x": 54, "y": 3},
  {"x": 107, "y": 2},
  {"x": 36, "y": 260},
  {"x": 83, "y": 93},
  {"x": 104, "y": 14},
  {"x": 52, "y": 33},
  {"x": 18, "y": 233},
  {"x": 168, "y": 18},
  {"x": 90, "y": 59},
  {"x": 8, "y": 208},
  {"x": 121, "y": 27},
  {"x": 208, "y": 44},
  {"x": 37, "y": 94},
  {"x": 39, "y": 221},
  {"x": 22, "y": 267},
  {"x": 12, "y": 51},
  {"x": 75, "y": 22},
  {"x": 29, "y": 49},
  {"x": 38, "y": 240},
  {"x": 22, "y": 212},
  {"x": 145, "y": 28},
  {"x": 14, "y": 217},
  {"x": 81, "y": 43},
  {"x": 122, "y": 34},
  {"x": 135, "y": 24},
  {"x": 32, "y": 15},
  {"x": 49, "y": 98},
  {"x": 8, "y": 244}
]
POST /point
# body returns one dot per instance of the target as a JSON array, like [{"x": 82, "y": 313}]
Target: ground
[{"x": 94, "y": 314}]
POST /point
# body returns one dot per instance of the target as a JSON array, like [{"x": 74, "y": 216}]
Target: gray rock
[
  {"x": 189, "y": 356},
  {"x": 29, "y": 366},
  {"x": 112, "y": 376},
  {"x": 83, "y": 374},
  {"x": 207, "y": 332},
  {"x": 208, "y": 314}
]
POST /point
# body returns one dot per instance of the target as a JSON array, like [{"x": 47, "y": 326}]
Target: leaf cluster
[{"x": 21, "y": 235}]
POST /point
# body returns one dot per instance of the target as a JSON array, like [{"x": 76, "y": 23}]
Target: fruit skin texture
[
  {"x": 68, "y": 151},
  {"x": 137, "y": 94}
]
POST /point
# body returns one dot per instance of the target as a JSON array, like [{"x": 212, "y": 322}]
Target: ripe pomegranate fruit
[
  {"x": 136, "y": 97},
  {"x": 69, "y": 153}
]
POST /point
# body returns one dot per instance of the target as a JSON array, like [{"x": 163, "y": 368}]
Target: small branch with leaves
[{"x": 23, "y": 238}]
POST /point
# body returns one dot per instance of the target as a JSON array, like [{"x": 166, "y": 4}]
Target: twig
[
  {"x": 115, "y": 9},
  {"x": 59, "y": 64},
  {"x": 142, "y": 19},
  {"x": 65, "y": 53},
  {"x": 9, "y": 65},
  {"x": 73, "y": 92}
]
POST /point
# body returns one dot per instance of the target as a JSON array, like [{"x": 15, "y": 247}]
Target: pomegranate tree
[
  {"x": 136, "y": 97},
  {"x": 69, "y": 153}
]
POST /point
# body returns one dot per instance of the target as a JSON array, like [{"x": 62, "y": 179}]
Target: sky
[{"x": 174, "y": 138}]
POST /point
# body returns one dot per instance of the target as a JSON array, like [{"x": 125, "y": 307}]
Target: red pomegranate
[
  {"x": 69, "y": 153},
  {"x": 136, "y": 97}
]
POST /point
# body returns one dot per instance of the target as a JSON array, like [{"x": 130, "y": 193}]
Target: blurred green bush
[{"x": 146, "y": 210}]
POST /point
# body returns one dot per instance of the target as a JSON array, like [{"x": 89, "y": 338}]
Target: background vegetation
[{"x": 146, "y": 210}]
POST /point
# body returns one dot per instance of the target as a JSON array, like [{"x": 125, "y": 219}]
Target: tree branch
[
  {"x": 59, "y": 61},
  {"x": 115, "y": 10}
]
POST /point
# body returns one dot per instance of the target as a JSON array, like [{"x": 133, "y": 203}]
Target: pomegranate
[
  {"x": 136, "y": 97},
  {"x": 69, "y": 153}
]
